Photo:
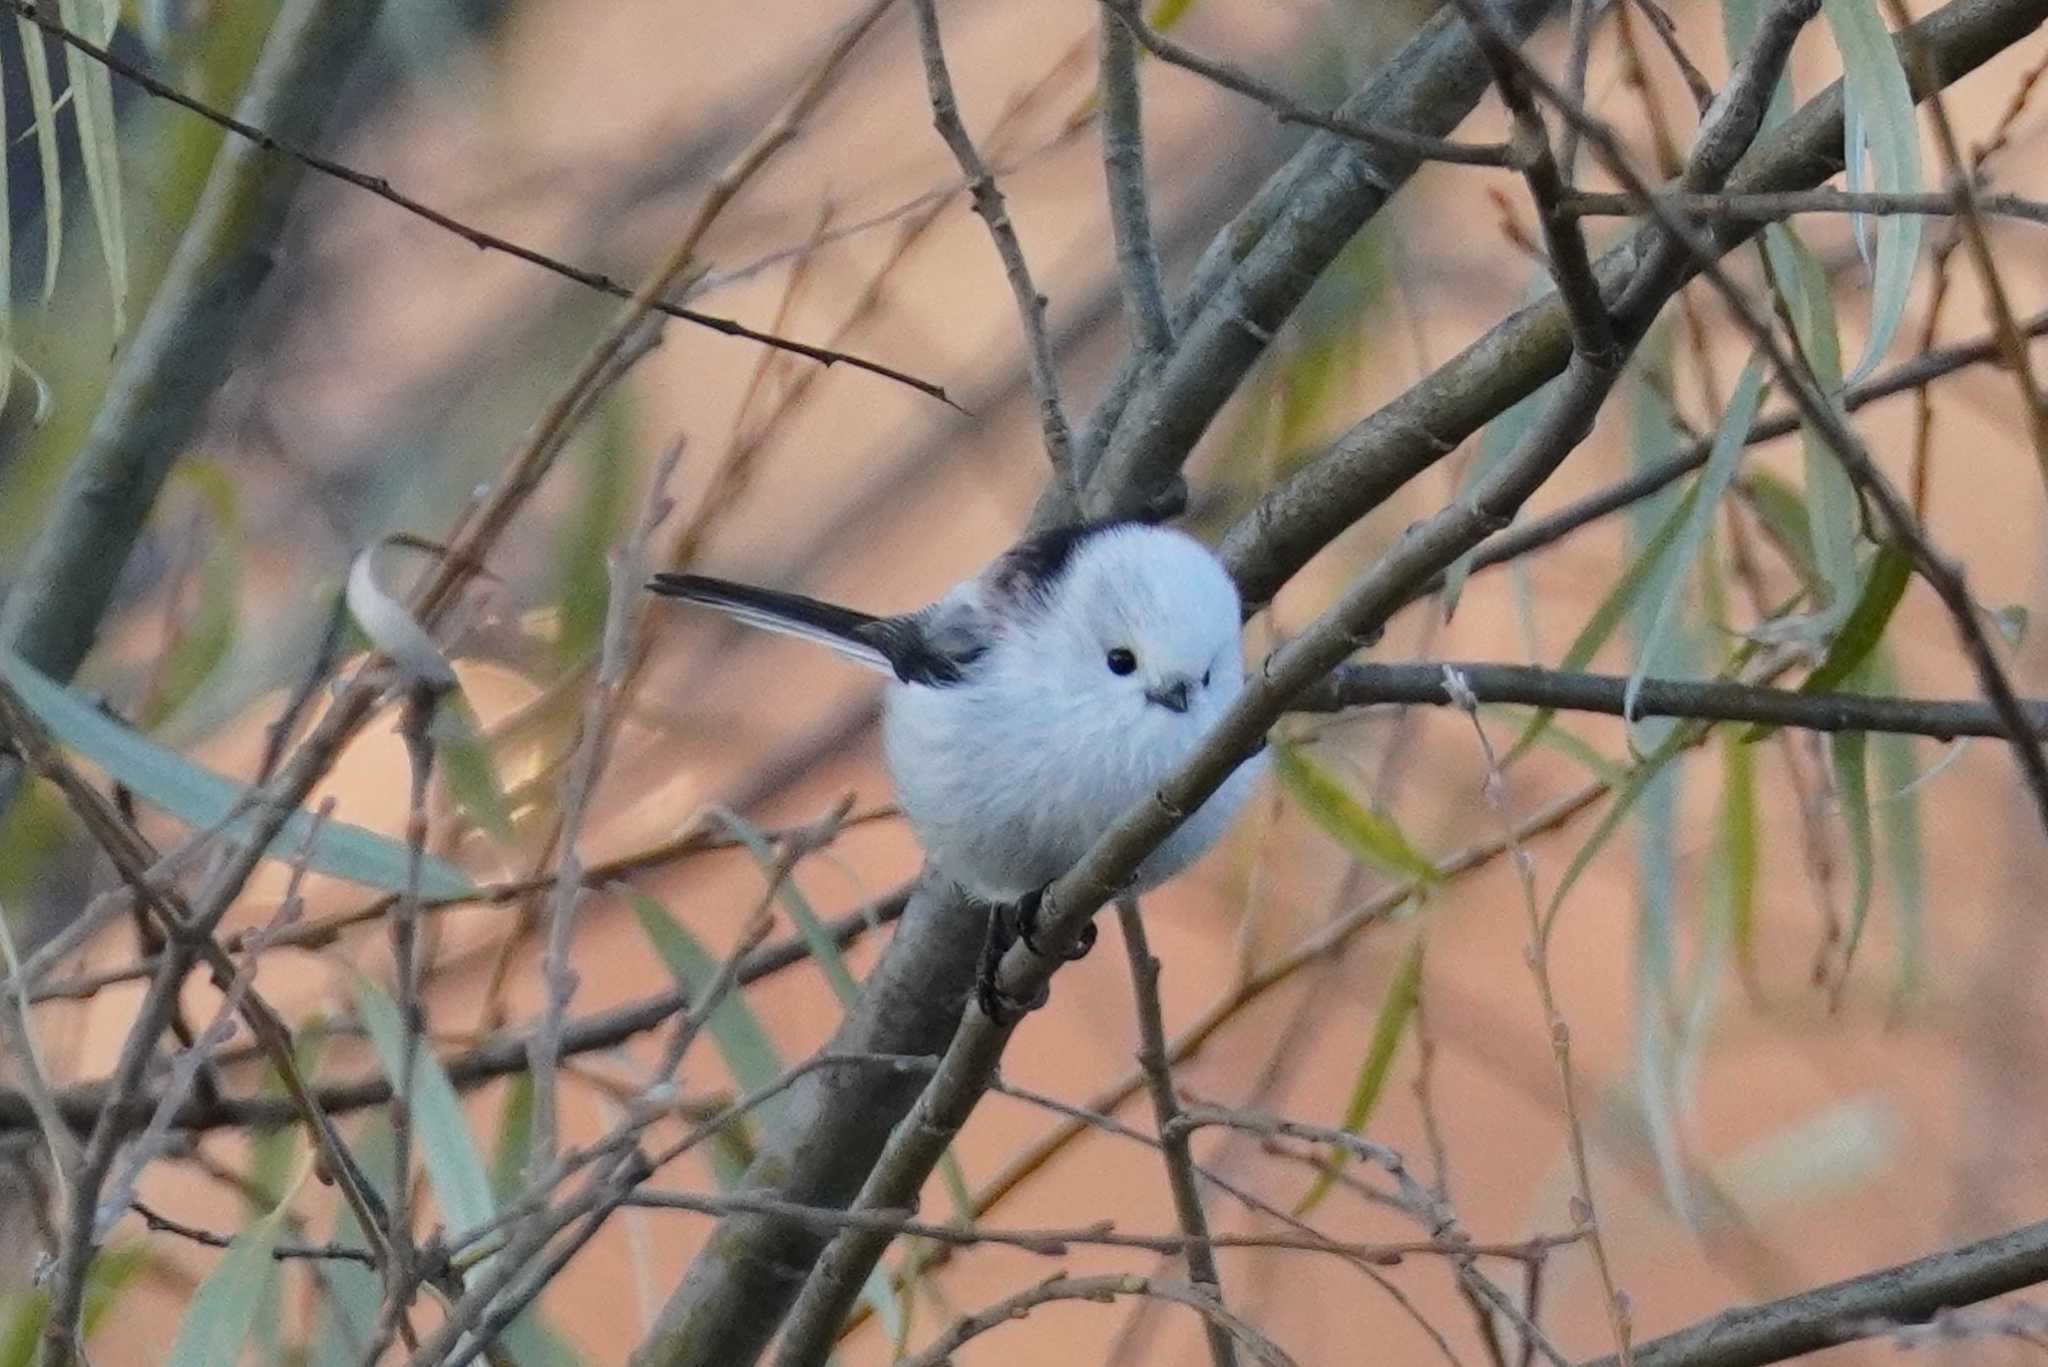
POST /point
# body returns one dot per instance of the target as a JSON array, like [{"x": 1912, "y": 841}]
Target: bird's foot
[
  {"x": 1026, "y": 911},
  {"x": 998, "y": 1005},
  {"x": 1013, "y": 922}
]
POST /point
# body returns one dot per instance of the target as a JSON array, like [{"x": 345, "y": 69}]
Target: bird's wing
[{"x": 929, "y": 647}]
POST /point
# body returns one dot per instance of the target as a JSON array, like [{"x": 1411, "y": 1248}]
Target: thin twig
[
  {"x": 592, "y": 752},
  {"x": 35, "y": 1078},
  {"x": 1130, "y": 213},
  {"x": 1367, "y": 684},
  {"x": 1173, "y": 1143},
  {"x": 158, "y": 1223},
  {"x": 383, "y": 189},
  {"x": 1376, "y": 136},
  {"x": 1571, "y": 266},
  {"x": 1100, "y": 1288},
  {"x": 989, "y": 203},
  {"x": 1587, "y": 1212}
]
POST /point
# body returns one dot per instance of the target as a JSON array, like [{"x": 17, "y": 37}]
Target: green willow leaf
[
  {"x": 1883, "y": 587},
  {"x": 202, "y": 799},
  {"x": 1738, "y": 845},
  {"x": 598, "y": 522},
  {"x": 1365, "y": 833},
  {"x": 1611, "y": 611},
  {"x": 43, "y": 106},
  {"x": 1781, "y": 510},
  {"x": 455, "y": 1165},
  {"x": 1905, "y": 858},
  {"x": 1849, "y": 751},
  {"x": 742, "y": 1040},
  {"x": 1719, "y": 473},
  {"x": 1877, "y": 105},
  {"x": 748, "y": 1051},
  {"x": 223, "y": 1310},
  {"x": 513, "y": 1146},
  {"x": 822, "y": 946},
  {"x": 92, "y": 105},
  {"x": 347, "y": 1322},
  {"x": 1397, "y": 1009},
  {"x": 1624, "y": 801},
  {"x": 471, "y": 768},
  {"x": 1832, "y": 511}
]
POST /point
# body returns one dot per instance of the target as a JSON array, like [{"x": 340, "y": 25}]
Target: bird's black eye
[
  {"x": 1205, "y": 678},
  {"x": 1121, "y": 661}
]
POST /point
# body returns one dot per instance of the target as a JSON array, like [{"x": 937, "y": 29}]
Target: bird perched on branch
[{"x": 1038, "y": 702}]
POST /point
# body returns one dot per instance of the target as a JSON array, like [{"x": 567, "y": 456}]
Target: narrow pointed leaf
[
  {"x": 1849, "y": 751},
  {"x": 201, "y": 798},
  {"x": 1832, "y": 510},
  {"x": 823, "y": 948},
  {"x": 1365, "y": 833},
  {"x": 223, "y": 1309},
  {"x": 44, "y": 108},
  {"x": 1738, "y": 840},
  {"x": 455, "y": 1165},
  {"x": 92, "y": 105},
  {"x": 1611, "y": 611},
  {"x": 1898, "y": 820},
  {"x": 472, "y": 770},
  {"x": 1397, "y": 1009},
  {"x": 1722, "y": 462},
  {"x": 1878, "y": 109},
  {"x": 741, "y": 1039},
  {"x": 1782, "y": 511},
  {"x": 1862, "y": 631},
  {"x": 1624, "y": 801}
]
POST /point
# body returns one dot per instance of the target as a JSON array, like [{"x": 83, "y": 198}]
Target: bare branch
[
  {"x": 1180, "y": 1159},
  {"x": 1382, "y": 137},
  {"x": 1842, "y": 1312},
  {"x": 1098, "y": 1289},
  {"x": 1363, "y": 684},
  {"x": 989, "y": 203},
  {"x": 1130, "y": 212}
]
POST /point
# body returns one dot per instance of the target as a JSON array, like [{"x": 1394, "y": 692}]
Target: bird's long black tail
[{"x": 790, "y": 614}]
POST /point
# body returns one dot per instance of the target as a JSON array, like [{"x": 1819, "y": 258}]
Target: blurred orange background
[{"x": 1818, "y": 1142}]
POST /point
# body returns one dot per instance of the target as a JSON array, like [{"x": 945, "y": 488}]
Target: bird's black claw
[
  {"x": 998, "y": 1005},
  {"x": 1002, "y": 1008},
  {"x": 1026, "y": 912}
]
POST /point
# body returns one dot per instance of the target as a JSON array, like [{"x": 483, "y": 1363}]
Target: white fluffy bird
[{"x": 1039, "y": 701}]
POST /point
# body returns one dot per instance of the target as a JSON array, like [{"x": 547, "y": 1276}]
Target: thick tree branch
[
  {"x": 738, "y": 1288},
  {"x": 1774, "y": 208},
  {"x": 1262, "y": 265},
  {"x": 1842, "y": 1312}
]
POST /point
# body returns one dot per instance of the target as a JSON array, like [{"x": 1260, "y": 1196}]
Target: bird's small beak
[{"x": 1172, "y": 695}]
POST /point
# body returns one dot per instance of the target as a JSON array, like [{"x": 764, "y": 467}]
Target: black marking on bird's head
[{"x": 1034, "y": 565}]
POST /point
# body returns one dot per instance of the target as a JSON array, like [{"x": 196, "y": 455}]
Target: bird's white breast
[{"x": 1007, "y": 779}]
